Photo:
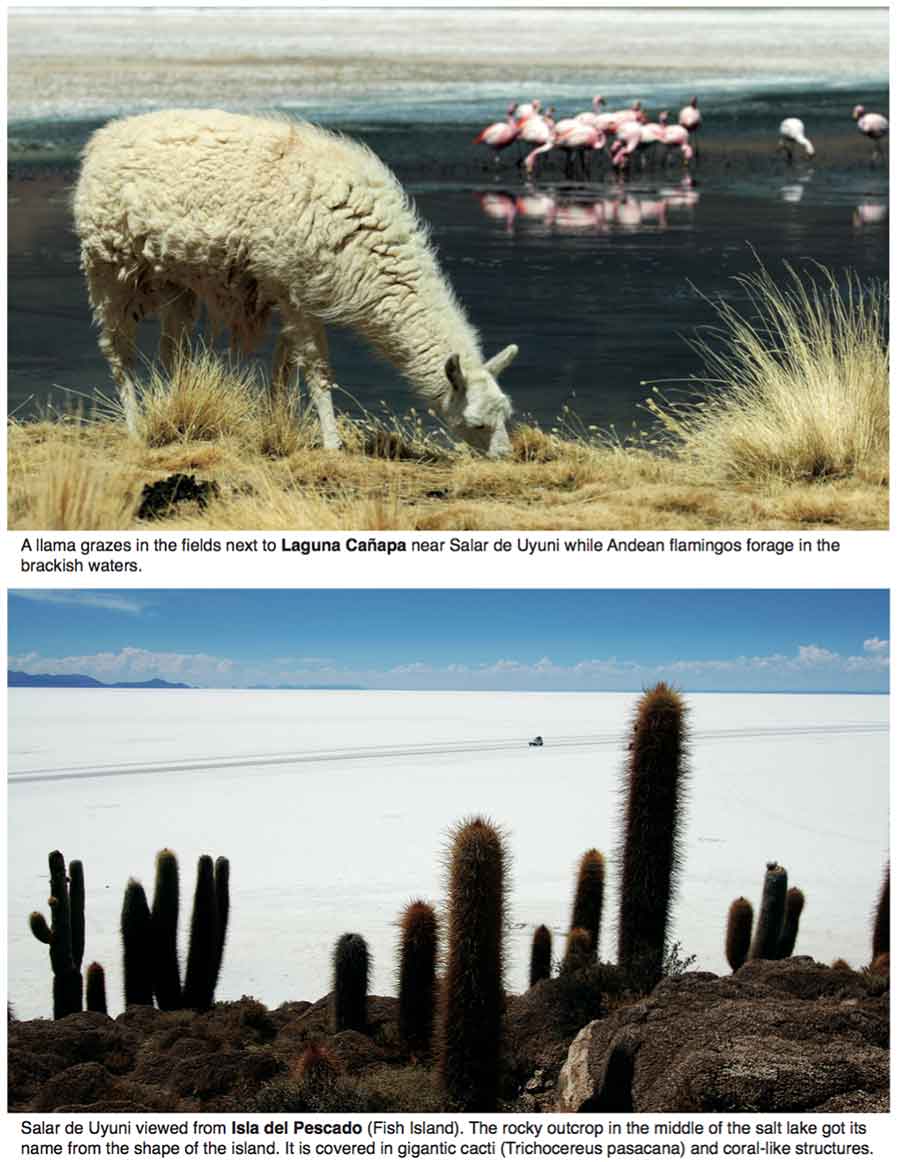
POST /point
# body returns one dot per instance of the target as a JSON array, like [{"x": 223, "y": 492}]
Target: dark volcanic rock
[{"x": 788, "y": 1035}]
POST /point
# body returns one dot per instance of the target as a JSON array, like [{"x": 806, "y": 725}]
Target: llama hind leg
[
  {"x": 178, "y": 315},
  {"x": 303, "y": 345}
]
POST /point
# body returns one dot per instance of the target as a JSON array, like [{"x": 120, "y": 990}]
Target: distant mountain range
[{"x": 85, "y": 682}]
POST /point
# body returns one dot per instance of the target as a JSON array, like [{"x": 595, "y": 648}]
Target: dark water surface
[{"x": 598, "y": 283}]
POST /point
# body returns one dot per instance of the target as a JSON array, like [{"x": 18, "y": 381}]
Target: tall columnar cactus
[
  {"x": 95, "y": 988},
  {"x": 578, "y": 953},
  {"x": 787, "y": 938},
  {"x": 418, "y": 959},
  {"x": 65, "y": 933},
  {"x": 351, "y": 982},
  {"x": 200, "y": 974},
  {"x": 654, "y": 781},
  {"x": 164, "y": 923},
  {"x": 738, "y": 932},
  {"x": 587, "y": 910},
  {"x": 222, "y": 879},
  {"x": 770, "y": 920},
  {"x": 137, "y": 946},
  {"x": 881, "y": 929},
  {"x": 541, "y": 955},
  {"x": 473, "y": 1001}
]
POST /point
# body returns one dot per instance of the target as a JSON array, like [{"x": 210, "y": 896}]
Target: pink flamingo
[
  {"x": 690, "y": 118},
  {"x": 536, "y": 130},
  {"x": 677, "y": 137},
  {"x": 499, "y": 135},
  {"x": 792, "y": 133},
  {"x": 634, "y": 137},
  {"x": 590, "y": 118},
  {"x": 578, "y": 137},
  {"x": 526, "y": 109},
  {"x": 872, "y": 125}
]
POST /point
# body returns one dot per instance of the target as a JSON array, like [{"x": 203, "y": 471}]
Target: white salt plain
[{"x": 333, "y": 808}]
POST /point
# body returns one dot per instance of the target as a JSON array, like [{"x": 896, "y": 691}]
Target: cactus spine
[
  {"x": 418, "y": 957},
  {"x": 650, "y": 852},
  {"x": 793, "y": 906},
  {"x": 65, "y": 933},
  {"x": 164, "y": 921},
  {"x": 95, "y": 988},
  {"x": 738, "y": 932},
  {"x": 473, "y": 984},
  {"x": 587, "y": 910},
  {"x": 351, "y": 982},
  {"x": 881, "y": 929},
  {"x": 137, "y": 946},
  {"x": 771, "y": 914},
  {"x": 541, "y": 955}
]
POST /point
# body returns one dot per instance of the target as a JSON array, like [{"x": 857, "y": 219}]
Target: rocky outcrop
[{"x": 784, "y": 1035}]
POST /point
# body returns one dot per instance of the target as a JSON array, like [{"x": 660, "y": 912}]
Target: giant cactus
[
  {"x": 418, "y": 959},
  {"x": 164, "y": 923},
  {"x": 541, "y": 955},
  {"x": 587, "y": 909},
  {"x": 770, "y": 920},
  {"x": 473, "y": 998},
  {"x": 351, "y": 983},
  {"x": 65, "y": 933},
  {"x": 137, "y": 946},
  {"x": 793, "y": 906},
  {"x": 738, "y": 932},
  {"x": 650, "y": 852}
]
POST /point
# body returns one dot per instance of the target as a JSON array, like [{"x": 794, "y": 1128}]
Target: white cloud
[
  {"x": 876, "y": 645},
  {"x": 114, "y": 602}
]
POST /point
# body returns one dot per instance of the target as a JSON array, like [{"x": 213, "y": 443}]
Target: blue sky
[{"x": 805, "y": 640}]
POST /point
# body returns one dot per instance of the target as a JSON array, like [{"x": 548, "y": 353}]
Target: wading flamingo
[
  {"x": 872, "y": 125},
  {"x": 499, "y": 135},
  {"x": 791, "y": 135}
]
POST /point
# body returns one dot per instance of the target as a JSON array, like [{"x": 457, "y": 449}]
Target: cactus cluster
[
  {"x": 150, "y": 938},
  {"x": 64, "y": 935},
  {"x": 777, "y": 924}
]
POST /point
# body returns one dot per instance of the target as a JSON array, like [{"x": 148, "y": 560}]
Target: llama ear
[
  {"x": 454, "y": 373},
  {"x": 502, "y": 359}
]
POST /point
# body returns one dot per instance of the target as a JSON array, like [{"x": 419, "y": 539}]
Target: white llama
[{"x": 247, "y": 216}]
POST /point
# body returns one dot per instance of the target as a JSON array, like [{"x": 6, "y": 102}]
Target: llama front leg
[
  {"x": 117, "y": 320},
  {"x": 303, "y": 344}
]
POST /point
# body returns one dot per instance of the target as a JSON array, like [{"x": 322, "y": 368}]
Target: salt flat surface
[
  {"x": 72, "y": 62},
  {"x": 333, "y": 808}
]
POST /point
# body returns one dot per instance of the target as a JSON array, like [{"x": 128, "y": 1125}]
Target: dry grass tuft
[
  {"x": 798, "y": 391},
  {"x": 203, "y": 399},
  {"x": 70, "y": 491}
]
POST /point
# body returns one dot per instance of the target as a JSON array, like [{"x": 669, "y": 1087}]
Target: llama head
[{"x": 476, "y": 409}]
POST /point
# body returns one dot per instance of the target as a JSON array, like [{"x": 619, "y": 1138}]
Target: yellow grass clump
[
  {"x": 796, "y": 391},
  {"x": 790, "y": 431}
]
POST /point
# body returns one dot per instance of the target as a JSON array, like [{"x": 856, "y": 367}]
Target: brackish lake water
[{"x": 600, "y": 283}]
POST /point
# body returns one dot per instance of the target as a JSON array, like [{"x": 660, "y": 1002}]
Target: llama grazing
[{"x": 249, "y": 216}]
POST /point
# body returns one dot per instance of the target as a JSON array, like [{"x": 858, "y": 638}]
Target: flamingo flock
[
  {"x": 624, "y": 133},
  {"x": 629, "y": 136}
]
